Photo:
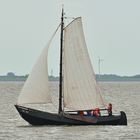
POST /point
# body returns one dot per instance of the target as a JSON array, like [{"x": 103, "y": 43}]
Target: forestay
[{"x": 80, "y": 88}]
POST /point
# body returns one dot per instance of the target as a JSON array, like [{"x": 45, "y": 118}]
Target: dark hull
[{"x": 36, "y": 117}]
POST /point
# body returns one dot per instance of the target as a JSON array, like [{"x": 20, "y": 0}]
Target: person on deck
[
  {"x": 81, "y": 113},
  {"x": 96, "y": 112},
  {"x": 89, "y": 113},
  {"x": 109, "y": 109}
]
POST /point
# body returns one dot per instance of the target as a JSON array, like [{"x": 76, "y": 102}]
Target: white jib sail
[
  {"x": 80, "y": 88},
  {"x": 36, "y": 87}
]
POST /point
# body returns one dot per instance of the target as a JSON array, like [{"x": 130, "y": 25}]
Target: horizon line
[{"x": 14, "y": 74}]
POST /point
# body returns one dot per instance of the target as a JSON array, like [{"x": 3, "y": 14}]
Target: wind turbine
[{"x": 99, "y": 65}]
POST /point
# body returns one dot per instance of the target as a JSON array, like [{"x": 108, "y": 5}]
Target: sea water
[{"x": 123, "y": 95}]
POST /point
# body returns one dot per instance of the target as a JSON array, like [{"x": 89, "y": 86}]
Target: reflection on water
[{"x": 124, "y": 96}]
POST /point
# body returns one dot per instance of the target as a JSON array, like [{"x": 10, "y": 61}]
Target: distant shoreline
[
  {"x": 113, "y": 77},
  {"x": 103, "y": 78}
]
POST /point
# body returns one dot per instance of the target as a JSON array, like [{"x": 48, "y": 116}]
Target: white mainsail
[
  {"x": 36, "y": 88},
  {"x": 80, "y": 88}
]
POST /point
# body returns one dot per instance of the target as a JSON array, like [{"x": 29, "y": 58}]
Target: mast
[{"x": 61, "y": 55}]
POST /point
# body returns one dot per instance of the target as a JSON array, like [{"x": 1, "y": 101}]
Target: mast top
[
  {"x": 62, "y": 6},
  {"x": 62, "y": 11}
]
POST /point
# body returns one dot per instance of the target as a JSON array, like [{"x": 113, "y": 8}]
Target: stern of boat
[{"x": 123, "y": 120}]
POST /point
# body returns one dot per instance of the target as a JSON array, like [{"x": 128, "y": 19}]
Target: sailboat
[{"x": 78, "y": 89}]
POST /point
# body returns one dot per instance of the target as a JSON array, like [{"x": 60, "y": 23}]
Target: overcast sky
[{"x": 112, "y": 31}]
